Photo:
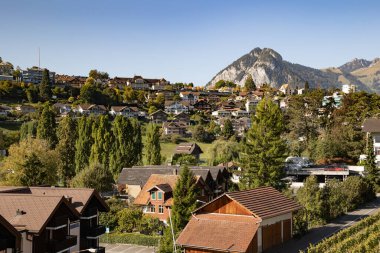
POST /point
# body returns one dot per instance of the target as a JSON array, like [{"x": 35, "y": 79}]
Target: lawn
[
  {"x": 167, "y": 150},
  {"x": 10, "y": 126}
]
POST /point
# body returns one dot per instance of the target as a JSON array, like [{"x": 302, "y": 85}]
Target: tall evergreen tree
[
  {"x": 137, "y": 142},
  {"x": 46, "y": 128},
  {"x": 28, "y": 129},
  {"x": 103, "y": 139},
  {"x": 83, "y": 143},
  {"x": 67, "y": 135},
  {"x": 184, "y": 197},
  {"x": 265, "y": 149},
  {"x": 122, "y": 150},
  {"x": 45, "y": 88},
  {"x": 152, "y": 145},
  {"x": 372, "y": 172},
  {"x": 249, "y": 84}
]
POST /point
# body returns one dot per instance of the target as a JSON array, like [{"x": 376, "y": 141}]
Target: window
[
  {"x": 159, "y": 197},
  {"x": 161, "y": 209},
  {"x": 153, "y": 195},
  {"x": 152, "y": 209}
]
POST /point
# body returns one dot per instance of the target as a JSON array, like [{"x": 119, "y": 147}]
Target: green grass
[
  {"x": 10, "y": 126},
  {"x": 167, "y": 150}
]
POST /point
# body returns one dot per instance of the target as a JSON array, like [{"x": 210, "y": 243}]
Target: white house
[
  {"x": 221, "y": 113},
  {"x": 240, "y": 113},
  {"x": 285, "y": 89},
  {"x": 175, "y": 107},
  {"x": 125, "y": 111},
  {"x": 91, "y": 109}
]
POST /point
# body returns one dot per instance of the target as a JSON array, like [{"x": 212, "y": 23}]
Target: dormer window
[
  {"x": 159, "y": 195},
  {"x": 153, "y": 195}
]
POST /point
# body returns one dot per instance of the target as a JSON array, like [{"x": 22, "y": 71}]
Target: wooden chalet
[{"x": 245, "y": 221}]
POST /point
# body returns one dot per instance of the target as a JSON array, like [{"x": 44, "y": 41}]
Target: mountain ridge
[{"x": 267, "y": 66}]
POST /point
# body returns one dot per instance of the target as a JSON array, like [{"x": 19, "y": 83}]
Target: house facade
[
  {"x": 87, "y": 109},
  {"x": 10, "y": 238},
  {"x": 372, "y": 128},
  {"x": 249, "y": 221},
  {"x": 174, "y": 128},
  {"x": 158, "y": 117},
  {"x": 176, "y": 107},
  {"x": 125, "y": 111}
]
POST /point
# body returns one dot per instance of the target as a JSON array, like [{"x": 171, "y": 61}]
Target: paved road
[
  {"x": 317, "y": 234},
  {"x": 125, "y": 248}
]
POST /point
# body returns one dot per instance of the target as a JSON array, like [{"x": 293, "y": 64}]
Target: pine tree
[
  {"x": 228, "y": 129},
  {"x": 307, "y": 86},
  {"x": 372, "y": 172},
  {"x": 44, "y": 88},
  {"x": 83, "y": 143},
  {"x": 265, "y": 149},
  {"x": 103, "y": 139},
  {"x": 184, "y": 198},
  {"x": 46, "y": 128},
  {"x": 67, "y": 135},
  {"x": 249, "y": 84},
  {"x": 122, "y": 150},
  {"x": 152, "y": 145}
]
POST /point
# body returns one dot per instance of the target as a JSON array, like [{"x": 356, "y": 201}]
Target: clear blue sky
[{"x": 187, "y": 41}]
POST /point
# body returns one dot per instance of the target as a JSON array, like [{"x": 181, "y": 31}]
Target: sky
[{"x": 183, "y": 41}]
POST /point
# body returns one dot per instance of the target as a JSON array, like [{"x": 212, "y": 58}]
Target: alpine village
[{"x": 267, "y": 156}]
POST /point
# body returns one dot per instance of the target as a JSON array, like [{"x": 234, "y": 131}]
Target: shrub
[{"x": 130, "y": 238}]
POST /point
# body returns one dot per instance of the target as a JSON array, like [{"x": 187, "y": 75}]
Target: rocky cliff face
[{"x": 267, "y": 66}]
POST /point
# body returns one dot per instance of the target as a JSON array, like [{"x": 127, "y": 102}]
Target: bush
[{"x": 130, "y": 238}]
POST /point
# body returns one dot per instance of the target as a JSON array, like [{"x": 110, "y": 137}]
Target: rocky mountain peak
[{"x": 354, "y": 65}]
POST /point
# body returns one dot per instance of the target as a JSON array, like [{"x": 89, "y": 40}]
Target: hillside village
[{"x": 254, "y": 166}]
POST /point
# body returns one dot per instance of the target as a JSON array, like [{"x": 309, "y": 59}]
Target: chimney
[
  {"x": 20, "y": 212},
  {"x": 68, "y": 198}
]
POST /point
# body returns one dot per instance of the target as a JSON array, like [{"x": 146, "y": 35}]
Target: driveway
[
  {"x": 125, "y": 248},
  {"x": 315, "y": 235}
]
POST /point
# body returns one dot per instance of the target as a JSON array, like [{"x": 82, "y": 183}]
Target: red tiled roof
[{"x": 230, "y": 233}]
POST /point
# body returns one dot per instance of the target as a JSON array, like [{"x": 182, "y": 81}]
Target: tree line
[{"x": 65, "y": 150}]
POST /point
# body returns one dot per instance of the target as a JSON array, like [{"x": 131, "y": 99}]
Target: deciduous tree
[{"x": 152, "y": 149}]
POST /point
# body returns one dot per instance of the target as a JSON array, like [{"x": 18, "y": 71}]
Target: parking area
[{"x": 125, "y": 248}]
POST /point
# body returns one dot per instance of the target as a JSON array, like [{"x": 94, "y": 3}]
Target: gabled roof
[
  {"x": 226, "y": 233},
  {"x": 158, "y": 112},
  {"x": 5, "y": 224},
  {"x": 31, "y": 212},
  {"x": 264, "y": 202},
  {"x": 81, "y": 197},
  {"x": 188, "y": 148},
  {"x": 371, "y": 125},
  {"x": 155, "y": 180}
]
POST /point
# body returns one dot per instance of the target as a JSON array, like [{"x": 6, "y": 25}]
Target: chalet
[
  {"x": 240, "y": 113},
  {"x": 43, "y": 221},
  {"x": 10, "y": 238},
  {"x": 182, "y": 117},
  {"x": 125, "y": 111},
  {"x": 132, "y": 180},
  {"x": 245, "y": 221},
  {"x": 156, "y": 197},
  {"x": 25, "y": 109},
  {"x": 70, "y": 81},
  {"x": 188, "y": 149},
  {"x": 229, "y": 105},
  {"x": 371, "y": 127},
  {"x": 93, "y": 109},
  {"x": 190, "y": 96},
  {"x": 251, "y": 104},
  {"x": 175, "y": 107},
  {"x": 139, "y": 83},
  {"x": 174, "y": 128},
  {"x": 158, "y": 117},
  {"x": 202, "y": 105}
]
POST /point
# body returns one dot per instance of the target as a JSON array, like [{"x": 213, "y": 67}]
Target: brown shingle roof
[
  {"x": 37, "y": 210},
  {"x": 154, "y": 180},
  {"x": 265, "y": 202},
  {"x": 80, "y": 196},
  {"x": 230, "y": 233},
  {"x": 371, "y": 125},
  {"x": 188, "y": 148}
]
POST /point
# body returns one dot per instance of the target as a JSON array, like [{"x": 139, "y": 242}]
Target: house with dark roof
[
  {"x": 158, "y": 117},
  {"x": 132, "y": 180},
  {"x": 10, "y": 238},
  {"x": 182, "y": 117},
  {"x": 87, "y": 203},
  {"x": 156, "y": 197},
  {"x": 88, "y": 109},
  {"x": 188, "y": 149},
  {"x": 43, "y": 221},
  {"x": 125, "y": 111},
  {"x": 245, "y": 221},
  {"x": 170, "y": 128}
]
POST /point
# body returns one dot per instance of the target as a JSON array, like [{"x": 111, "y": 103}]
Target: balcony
[
  {"x": 64, "y": 244},
  {"x": 90, "y": 213},
  {"x": 58, "y": 222},
  {"x": 95, "y": 232}
]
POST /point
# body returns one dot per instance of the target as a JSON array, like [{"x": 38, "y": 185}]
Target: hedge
[{"x": 130, "y": 238}]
